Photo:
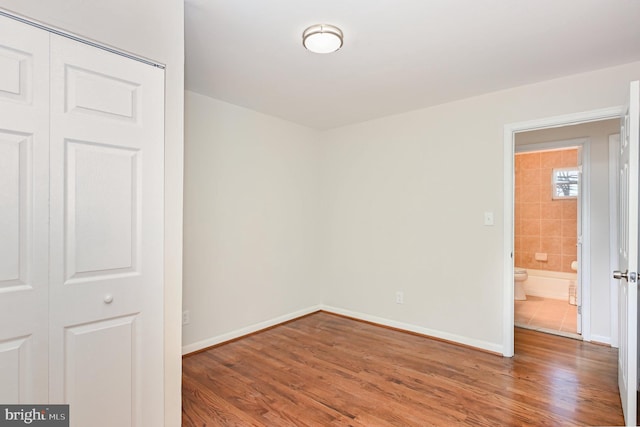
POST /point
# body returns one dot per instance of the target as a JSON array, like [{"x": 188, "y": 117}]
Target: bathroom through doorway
[
  {"x": 548, "y": 234},
  {"x": 561, "y": 224}
]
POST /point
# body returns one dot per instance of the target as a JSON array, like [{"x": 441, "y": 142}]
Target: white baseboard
[
  {"x": 484, "y": 345},
  {"x": 600, "y": 339},
  {"x": 238, "y": 333},
  {"x": 190, "y": 348}
]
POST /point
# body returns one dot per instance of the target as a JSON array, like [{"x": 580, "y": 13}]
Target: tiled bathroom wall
[{"x": 544, "y": 225}]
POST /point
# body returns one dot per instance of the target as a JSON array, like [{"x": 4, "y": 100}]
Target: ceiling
[{"x": 398, "y": 55}]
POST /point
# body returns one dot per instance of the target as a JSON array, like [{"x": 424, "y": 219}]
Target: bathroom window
[{"x": 564, "y": 183}]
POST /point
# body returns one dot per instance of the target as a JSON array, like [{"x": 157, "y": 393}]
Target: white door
[
  {"x": 24, "y": 214},
  {"x": 106, "y": 275},
  {"x": 628, "y": 255}
]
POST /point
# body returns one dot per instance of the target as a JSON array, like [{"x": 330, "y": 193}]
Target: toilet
[{"x": 519, "y": 276}]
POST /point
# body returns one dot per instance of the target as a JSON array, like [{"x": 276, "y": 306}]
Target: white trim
[
  {"x": 479, "y": 344},
  {"x": 601, "y": 339},
  {"x": 508, "y": 151},
  {"x": 584, "y": 252},
  {"x": 507, "y": 270},
  {"x": 238, "y": 333},
  {"x": 567, "y": 119},
  {"x": 548, "y": 146},
  {"x": 614, "y": 147}
]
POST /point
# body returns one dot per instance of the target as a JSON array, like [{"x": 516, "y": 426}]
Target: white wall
[
  {"x": 600, "y": 270},
  {"x": 404, "y": 198},
  {"x": 393, "y": 204},
  {"x": 152, "y": 29},
  {"x": 251, "y": 232}
]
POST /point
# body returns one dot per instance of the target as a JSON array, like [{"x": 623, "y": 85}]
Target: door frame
[
  {"x": 510, "y": 130},
  {"x": 614, "y": 147}
]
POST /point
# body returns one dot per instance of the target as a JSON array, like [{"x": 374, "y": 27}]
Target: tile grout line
[{"x": 555, "y": 307}]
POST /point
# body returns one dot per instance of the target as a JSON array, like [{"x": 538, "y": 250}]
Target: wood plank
[{"x": 325, "y": 370}]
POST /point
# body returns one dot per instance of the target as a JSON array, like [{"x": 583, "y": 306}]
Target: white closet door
[
  {"x": 107, "y": 149},
  {"x": 24, "y": 214}
]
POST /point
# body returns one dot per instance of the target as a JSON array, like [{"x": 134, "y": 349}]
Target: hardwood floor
[{"x": 326, "y": 370}]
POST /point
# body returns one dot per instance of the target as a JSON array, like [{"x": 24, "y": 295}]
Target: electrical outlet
[
  {"x": 185, "y": 317},
  {"x": 399, "y": 297}
]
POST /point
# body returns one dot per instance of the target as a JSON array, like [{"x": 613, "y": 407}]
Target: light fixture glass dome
[{"x": 322, "y": 38}]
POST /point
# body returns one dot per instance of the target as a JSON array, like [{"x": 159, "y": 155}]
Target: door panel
[
  {"x": 17, "y": 68},
  {"x": 16, "y": 151},
  {"x": 628, "y": 254},
  {"x": 87, "y": 365},
  {"x": 106, "y": 236},
  {"x": 91, "y": 92},
  {"x": 24, "y": 194},
  {"x": 14, "y": 359},
  {"x": 104, "y": 183}
]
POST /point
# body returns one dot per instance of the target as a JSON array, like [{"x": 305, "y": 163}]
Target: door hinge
[{"x": 579, "y": 309}]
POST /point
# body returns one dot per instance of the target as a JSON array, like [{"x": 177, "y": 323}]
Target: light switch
[{"x": 488, "y": 218}]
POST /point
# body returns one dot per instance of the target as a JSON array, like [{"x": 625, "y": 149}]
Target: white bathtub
[{"x": 549, "y": 284}]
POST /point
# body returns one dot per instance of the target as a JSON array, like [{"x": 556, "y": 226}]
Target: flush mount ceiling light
[{"x": 322, "y": 38}]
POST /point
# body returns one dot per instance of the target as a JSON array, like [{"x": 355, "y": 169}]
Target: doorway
[
  {"x": 576, "y": 130},
  {"x": 551, "y": 181}
]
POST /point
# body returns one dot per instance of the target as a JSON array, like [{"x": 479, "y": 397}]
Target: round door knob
[
  {"x": 108, "y": 299},
  {"x": 629, "y": 276},
  {"x": 620, "y": 275}
]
